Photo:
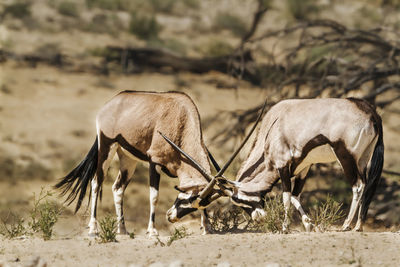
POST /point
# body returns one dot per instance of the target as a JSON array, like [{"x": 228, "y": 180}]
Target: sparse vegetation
[
  {"x": 109, "y": 4},
  {"x": 144, "y": 27},
  {"x": 19, "y": 9},
  {"x": 43, "y": 217},
  {"x": 274, "y": 216},
  {"x": 233, "y": 219},
  {"x": 68, "y": 8},
  {"x": 194, "y": 4},
  {"x": 13, "y": 229},
  {"x": 44, "y": 214},
  {"x": 230, "y": 22},
  {"x": 108, "y": 229},
  {"x": 171, "y": 44},
  {"x": 216, "y": 48},
  {"x": 178, "y": 233},
  {"x": 326, "y": 214},
  {"x": 301, "y": 10},
  {"x": 164, "y": 6}
]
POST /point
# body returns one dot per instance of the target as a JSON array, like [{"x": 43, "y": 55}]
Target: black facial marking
[{"x": 180, "y": 212}]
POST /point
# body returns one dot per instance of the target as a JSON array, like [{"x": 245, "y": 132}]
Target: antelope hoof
[
  {"x": 93, "y": 235},
  {"x": 307, "y": 223},
  {"x": 206, "y": 230},
  {"x": 346, "y": 228},
  {"x": 122, "y": 231},
  {"x": 285, "y": 229},
  {"x": 151, "y": 232},
  {"x": 93, "y": 229}
]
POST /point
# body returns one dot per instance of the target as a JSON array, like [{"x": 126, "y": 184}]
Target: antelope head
[{"x": 192, "y": 199}]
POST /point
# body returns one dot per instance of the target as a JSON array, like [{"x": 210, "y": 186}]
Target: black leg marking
[
  {"x": 298, "y": 186},
  {"x": 285, "y": 178},
  {"x": 154, "y": 176}
]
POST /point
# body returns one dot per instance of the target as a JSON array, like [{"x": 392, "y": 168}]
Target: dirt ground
[{"x": 298, "y": 249}]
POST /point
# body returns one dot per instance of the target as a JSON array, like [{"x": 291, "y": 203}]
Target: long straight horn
[
  {"x": 206, "y": 191},
  {"x": 197, "y": 165}
]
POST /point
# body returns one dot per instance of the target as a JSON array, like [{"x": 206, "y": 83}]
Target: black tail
[
  {"x": 78, "y": 179},
  {"x": 374, "y": 175}
]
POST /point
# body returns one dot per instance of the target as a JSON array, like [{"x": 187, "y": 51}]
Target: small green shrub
[
  {"x": 44, "y": 215},
  {"x": 178, "y": 233},
  {"x": 144, "y": 27},
  {"x": 326, "y": 214},
  {"x": 13, "y": 229},
  {"x": 194, "y": 4},
  {"x": 217, "y": 48},
  {"x": 301, "y": 10},
  {"x": 109, "y": 4},
  {"x": 69, "y": 9},
  {"x": 171, "y": 44},
  {"x": 18, "y": 10},
  {"x": 108, "y": 229},
  {"x": 164, "y": 6},
  {"x": 230, "y": 22}
]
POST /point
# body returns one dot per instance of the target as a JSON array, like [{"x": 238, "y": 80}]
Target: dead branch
[{"x": 330, "y": 58}]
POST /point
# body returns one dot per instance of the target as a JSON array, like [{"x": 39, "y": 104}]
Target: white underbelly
[{"x": 320, "y": 154}]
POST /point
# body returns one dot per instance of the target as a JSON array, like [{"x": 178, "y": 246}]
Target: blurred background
[{"x": 61, "y": 60}]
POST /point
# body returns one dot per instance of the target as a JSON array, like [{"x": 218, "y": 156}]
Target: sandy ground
[{"x": 298, "y": 249}]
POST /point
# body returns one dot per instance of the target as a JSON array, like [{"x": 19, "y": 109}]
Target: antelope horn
[
  {"x": 206, "y": 191},
  {"x": 212, "y": 180},
  {"x": 197, "y": 165}
]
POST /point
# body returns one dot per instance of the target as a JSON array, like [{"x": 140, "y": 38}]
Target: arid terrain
[
  {"x": 47, "y": 125},
  {"x": 298, "y": 249}
]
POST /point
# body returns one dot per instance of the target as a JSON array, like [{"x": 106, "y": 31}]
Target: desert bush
[
  {"x": 326, "y": 214},
  {"x": 301, "y": 10},
  {"x": 108, "y": 4},
  {"x": 178, "y": 233},
  {"x": 164, "y": 6},
  {"x": 171, "y": 44},
  {"x": 18, "y": 9},
  {"x": 216, "y": 48},
  {"x": 102, "y": 23},
  {"x": 194, "y": 4},
  {"x": 144, "y": 27},
  {"x": 233, "y": 219},
  {"x": 274, "y": 216},
  {"x": 230, "y": 22},
  {"x": 108, "y": 229},
  {"x": 44, "y": 214},
  {"x": 69, "y": 9},
  {"x": 13, "y": 229}
]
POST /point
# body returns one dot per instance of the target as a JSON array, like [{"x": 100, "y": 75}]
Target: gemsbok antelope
[
  {"x": 128, "y": 125},
  {"x": 295, "y": 134}
]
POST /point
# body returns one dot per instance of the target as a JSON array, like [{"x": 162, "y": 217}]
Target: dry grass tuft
[
  {"x": 326, "y": 214},
  {"x": 108, "y": 229},
  {"x": 13, "y": 229},
  {"x": 178, "y": 233}
]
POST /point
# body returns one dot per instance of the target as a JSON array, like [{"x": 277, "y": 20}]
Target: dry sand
[{"x": 298, "y": 249}]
